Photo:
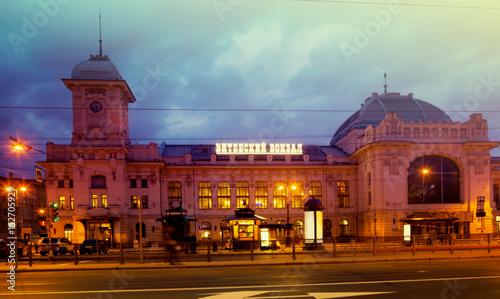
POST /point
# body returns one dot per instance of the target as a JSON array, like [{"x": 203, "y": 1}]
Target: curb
[{"x": 225, "y": 265}]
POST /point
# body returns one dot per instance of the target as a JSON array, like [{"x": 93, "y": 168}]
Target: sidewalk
[{"x": 282, "y": 257}]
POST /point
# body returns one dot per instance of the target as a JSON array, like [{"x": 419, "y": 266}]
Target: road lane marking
[{"x": 218, "y": 288}]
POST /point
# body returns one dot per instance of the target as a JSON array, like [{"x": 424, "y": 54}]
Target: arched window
[
  {"x": 68, "y": 232},
  {"x": 98, "y": 182},
  {"x": 343, "y": 228},
  {"x": 137, "y": 231},
  {"x": 433, "y": 179},
  {"x": 298, "y": 228}
]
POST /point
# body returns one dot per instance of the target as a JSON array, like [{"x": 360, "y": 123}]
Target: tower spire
[
  {"x": 385, "y": 83},
  {"x": 100, "y": 36}
]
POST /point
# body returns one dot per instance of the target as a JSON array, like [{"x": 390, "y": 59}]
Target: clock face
[{"x": 95, "y": 107}]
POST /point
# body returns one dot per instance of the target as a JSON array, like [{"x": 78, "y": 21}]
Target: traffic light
[
  {"x": 43, "y": 224},
  {"x": 54, "y": 207}
]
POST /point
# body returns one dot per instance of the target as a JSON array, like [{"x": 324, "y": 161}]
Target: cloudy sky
[{"x": 254, "y": 67}]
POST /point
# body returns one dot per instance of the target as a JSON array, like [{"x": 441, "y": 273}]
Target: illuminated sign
[{"x": 258, "y": 149}]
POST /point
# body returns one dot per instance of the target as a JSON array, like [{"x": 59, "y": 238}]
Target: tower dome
[
  {"x": 97, "y": 68},
  {"x": 374, "y": 109}
]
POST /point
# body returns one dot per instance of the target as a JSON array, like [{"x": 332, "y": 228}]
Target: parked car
[
  {"x": 90, "y": 246},
  {"x": 57, "y": 245}
]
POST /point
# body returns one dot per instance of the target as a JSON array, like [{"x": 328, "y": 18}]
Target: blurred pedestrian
[{"x": 172, "y": 256}]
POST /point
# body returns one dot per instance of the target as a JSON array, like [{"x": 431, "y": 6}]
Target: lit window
[
  {"x": 343, "y": 194},
  {"x": 174, "y": 192},
  {"x": 498, "y": 223},
  {"x": 62, "y": 202},
  {"x": 242, "y": 195},
  {"x": 133, "y": 202},
  {"x": 298, "y": 195},
  {"x": 205, "y": 195},
  {"x": 104, "y": 200},
  {"x": 223, "y": 195},
  {"x": 261, "y": 195},
  {"x": 144, "y": 201},
  {"x": 68, "y": 232},
  {"x": 315, "y": 190},
  {"x": 279, "y": 195},
  {"x": 94, "y": 200},
  {"x": 206, "y": 230},
  {"x": 71, "y": 202}
]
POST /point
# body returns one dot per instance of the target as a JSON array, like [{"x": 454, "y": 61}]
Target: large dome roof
[
  {"x": 97, "y": 68},
  {"x": 375, "y": 108}
]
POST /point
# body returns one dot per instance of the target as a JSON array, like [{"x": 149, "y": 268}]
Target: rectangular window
[
  {"x": 445, "y": 132},
  {"x": 133, "y": 183},
  {"x": 144, "y": 183},
  {"x": 297, "y": 195},
  {"x": 62, "y": 203},
  {"x": 426, "y": 132},
  {"x": 279, "y": 195},
  {"x": 60, "y": 184},
  {"x": 369, "y": 197},
  {"x": 261, "y": 195},
  {"x": 463, "y": 133},
  {"x": 223, "y": 195},
  {"x": 94, "y": 200},
  {"x": 498, "y": 223},
  {"x": 369, "y": 179},
  {"x": 144, "y": 201},
  {"x": 407, "y": 132},
  {"x": 416, "y": 132},
  {"x": 174, "y": 192},
  {"x": 205, "y": 195},
  {"x": 454, "y": 133},
  {"x": 343, "y": 194},
  {"x": 435, "y": 132},
  {"x": 242, "y": 195},
  {"x": 71, "y": 202},
  {"x": 98, "y": 182},
  {"x": 315, "y": 190},
  {"x": 71, "y": 183},
  {"x": 104, "y": 200},
  {"x": 133, "y": 202}
]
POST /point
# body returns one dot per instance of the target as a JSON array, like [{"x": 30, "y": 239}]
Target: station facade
[{"x": 396, "y": 161}]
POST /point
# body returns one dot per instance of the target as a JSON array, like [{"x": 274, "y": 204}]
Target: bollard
[
  {"x": 251, "y": 250},
  {"x": 334, "y": 247},
  {"x": 165, "y": 251},
  {"x": 121, "y": 253},
  {"x": 451, "y": 243},
  {"x": 374, "y": 245},
  {"x": 30, "y": 254},
  {"x": 208, "y": 253},
  {"x": 413, "y": 243},
  {"x": 489, "y": 248},
  {"x": 75, "y": 251}
]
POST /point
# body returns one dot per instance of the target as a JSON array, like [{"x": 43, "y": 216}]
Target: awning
[{"x": 247, "y": 214}]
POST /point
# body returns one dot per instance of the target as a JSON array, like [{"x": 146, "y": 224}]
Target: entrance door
[{"x": 99, "y": 231}]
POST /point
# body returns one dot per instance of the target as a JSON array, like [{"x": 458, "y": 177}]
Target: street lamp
[{"x": 288, "y": 198}]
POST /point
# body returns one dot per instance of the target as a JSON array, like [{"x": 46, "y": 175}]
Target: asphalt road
[{"x": 474, "y": 278}]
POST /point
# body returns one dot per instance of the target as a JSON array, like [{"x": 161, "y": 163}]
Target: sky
[{"x": 253, "y": 67}]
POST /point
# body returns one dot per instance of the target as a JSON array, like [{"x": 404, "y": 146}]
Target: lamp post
[
  {"x": 424, "y": 172},
  {"x": 288, "y": 198},
  {"x": 139, "y": 199}
]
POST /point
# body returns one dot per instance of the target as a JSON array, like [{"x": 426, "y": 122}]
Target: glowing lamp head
[
  {"x": 281, "y": 188},
  {"x": 18, "y": 147},
  {"x": 425, "y": 171},
  {"x": 23, "y": 189},
  {"x": 294, "y": 187}
]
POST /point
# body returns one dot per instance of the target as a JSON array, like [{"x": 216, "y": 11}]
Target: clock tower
[{"x": 100, "y": 103}]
